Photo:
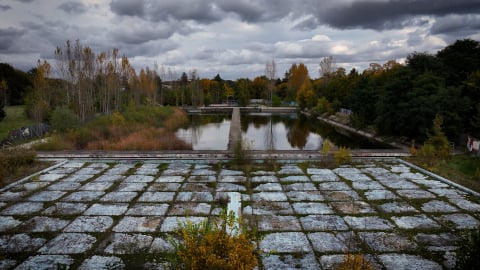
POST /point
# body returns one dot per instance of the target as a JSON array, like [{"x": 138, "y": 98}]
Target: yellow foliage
[
  {"x": 117, "y": 119},
  {"x": 355, "y": 262},
  {"x": 212, "y": 246},
  {"x": 343, "y": 155}
]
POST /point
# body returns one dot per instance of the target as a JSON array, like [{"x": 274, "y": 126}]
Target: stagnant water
[{"x": 269, "y": 132}]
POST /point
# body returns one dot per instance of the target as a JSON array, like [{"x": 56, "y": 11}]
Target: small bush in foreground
[
  {"x": 343, "y": 155},
  {"x": 217, "y": 245},
  {"x": 355, "y": 262}
]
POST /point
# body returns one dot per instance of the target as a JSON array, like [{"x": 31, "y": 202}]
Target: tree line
[{"x": 390, "y": 98}]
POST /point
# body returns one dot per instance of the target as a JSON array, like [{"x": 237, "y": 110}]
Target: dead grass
[{"x": 151, "y": 128}]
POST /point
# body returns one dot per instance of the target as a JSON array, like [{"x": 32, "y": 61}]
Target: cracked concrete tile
[
  {"x": 121, "y": 243},
  {"x": 380, "y": 194},
  {"x": 68, "y": 243},
  {"x": 136, "y": 178},
  {"x": 399, "y": 169},
  {"x": 190, "y": 209},
  {"x": 333, "y": 186},
  {"x": 131, "y": 186},
  {"x": 226, "y": 172},
  {"x": 45, "y": 262},
  {"x": 64, "y": 186},
  {"x": 61, "y": 208},
  {"x": 323, "y": 223},
  {"x": 368, "y": 223},
  {"x": 222, "y": 187},
  {"x": 397, "y": 207},
  {"x": 51, "y": 177},
  {"x": 102, "y": 262},
  {"x": 119, "y": 196},
  {"x": 355, "y": 207},
  {"x": 194, "y": 197},
  {"x": 164, "y": 187},
  {"x": 341, "y": 195},
  {"x": 161, "y": 245},
  {"x": 269, "y": 196},
  {"x": 20, "y": 243},
  {"x": 170, "y": 179},
  {"x": 198, "y": 187},
  {"x": 90, "y": 224},
  {"x": 308, "y": 208},
  {"x": 150, "y": 196},
  {"x": 346, "y": 170},
  {"x": 138, "y": 224},
  {"x": 46, "y": 196},
  {"x": 171, "y": 224},
  {"x": 109, "y": 178},
  {"x": 290, "y": 169},
  {"x": 83, "y": 196},
  {"x": 405, "y": 261},
  {"x": 299, "y": 187},
  {"x": 96, "y": 186},
  {"x": 415, "y": 194},
  {"x": 119, "y": 169},
  {"x": 305, "y": 261},
  {"x": 399, "y": 184},
  {"x": 268, "y": 187},
  {"x": 202, "y": 178},
  {"x": 295, "y": 178},
  {"x": 465, "y": 204},
  {"x": 448, "y": 192},
  {"x": 203, "y": 172},
  {"x": 284, "y": 242},
  {"x": 29, "y": 186},
  {"x": 460, "y": 221},
  {"x": 431, "y": 183},
  {"x": 23, "y": 208},
  {"x": 413, "y": 176},
  {"x": 298, "y": 196},
  {"x": 415, "y": 222},
  {"x": 438, "y": 206},
  {"x": 8, "y": 196},
  {"x": 232, "y": 179},
  {"x": 367, "y": 185},
  {"x": 264, "y": 179},
  {"x": 7, "y": 223},
  {"x": 260, "y": 172},
  {"x": 145, "y": 209},
  {"x": 437, "y": 240},
  {"x": 268, "y": 208},
  {"x": 387, "y": 242},
  {"x": 78, "y": 178},
  {"x": 43, "y": 224},
  {"x": 278, "y": 223},
  {"x": 326, "y": 242},
  {"x": 99, "y": 209}
]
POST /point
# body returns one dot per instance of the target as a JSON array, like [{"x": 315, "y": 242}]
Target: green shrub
[
  {"x": 343, "y": 155},
  {"x": 214, "y": 245},
  {"x": 63, "y": 119},
  {"x": 11, "y": 159}
]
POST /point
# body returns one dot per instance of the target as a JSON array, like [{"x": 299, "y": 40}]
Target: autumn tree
[{"x": 38, "y": 101}]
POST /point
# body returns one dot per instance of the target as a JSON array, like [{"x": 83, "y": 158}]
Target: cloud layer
[{"x": 235, "y": 38}]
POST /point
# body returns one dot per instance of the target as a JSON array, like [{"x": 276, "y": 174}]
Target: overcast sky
[{"x": 236, "y": 37}]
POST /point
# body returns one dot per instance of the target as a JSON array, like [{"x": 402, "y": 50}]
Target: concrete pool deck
[{"x": 89, "y": 213}]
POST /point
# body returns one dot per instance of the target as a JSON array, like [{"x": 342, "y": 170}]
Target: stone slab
[
  {"x": 323, "y": 223},
  {"x": 69, "y": 243},
  {"x": 90, "y": 224},
  {"x": 286, "y": 242},
  {"x": 405, "y": 261}
]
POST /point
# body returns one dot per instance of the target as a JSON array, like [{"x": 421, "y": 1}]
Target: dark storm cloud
[
  {"x": 127, "y": 7},
  {"x": 73, "y": 7},
  {"x": 8, "y": 36},
  {"x": 25, "y": 1},
  {"x": 380, "y": 15},
  {"x": 198, "y": 11},
  {"x": 455, "y": 24},
  {"x": 5, "y": 7}
]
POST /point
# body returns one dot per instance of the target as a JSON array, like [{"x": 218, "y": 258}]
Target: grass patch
[
  {"x": 15, "y": 119},
  {"x": 18, "y": 163},
  {"x": 461, "y": 169},
  {"x": 147, "y": 128}
]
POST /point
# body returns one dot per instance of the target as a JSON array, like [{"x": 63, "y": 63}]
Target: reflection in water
[{"x": 268, "y": 132}]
